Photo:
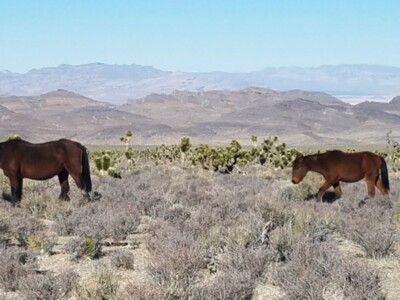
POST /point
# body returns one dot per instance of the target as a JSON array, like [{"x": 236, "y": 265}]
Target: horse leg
[
  {"x": 370, "y": 179},
  {"x": 322, "y": 189},
  {"x": 380, "y": 187},
  {"x": 338, "y": 190},
  {"x": 75, "y": 170},
  {"x": 76, "y": 174},
  {"x": 63, "y": 179},
  {"x": 16, "y": 189},
  {"x": 77, "y": 178}
]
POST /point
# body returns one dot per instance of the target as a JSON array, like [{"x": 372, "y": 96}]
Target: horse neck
[{"x": 313, "y": 163}]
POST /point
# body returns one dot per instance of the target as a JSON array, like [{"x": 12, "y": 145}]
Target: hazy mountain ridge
[
  {"x": 118, "y": 83},
  {"x": 297, "y": 117}
]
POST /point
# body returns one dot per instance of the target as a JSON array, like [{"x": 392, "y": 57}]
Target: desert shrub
[
  {"x": 275, "y": 213},
  {"x": 314, "y": 222},
  {"x": 42, "y": 206},
  {"x": 177, "y": 213},
  {"x": 214, "y": 242},
  {"x": 140, "y": 291},
  {"x": 23, "y": 226},
  {"x": 206, "y": 225},
  {"x": 372, "y": 228},
  {"x": 15, "y": 264},
  {"x": 236, "y": 274},
  {"x": 302, "y": 222},
  {"x": 158, "y": 199},
  {"x": 122, "y": 259},
  {"x": 115, "y": 216},
  {"x": 283, "y": 239},
  {"x": 84, "y": 246},
  {"x": 308, "y": 270},
  {"x": 178, "y": 259},
  {"x": 287, "y": 191},
  {"x": 315, "y": 268},
  {"x": 247, "y": 232},
  {"x": 4, "y": 230},
  {"x": 378, "y": 240},
  {"x": 48, "y": 286},
  {"x": 43, "y": 240},
  {"x": 63, "y": 224},
  {"x": 396, "y": 214},
  {"x": 191, "y": 191},
  {"x": 226, "y": 286},
  {"x": 359, "y": 281},
  {"x": 48, "y": 241},
  {"x": 99, "y": 220},
  {"x": 102, "y": 285},
  {"x": 244, "y": 259}
]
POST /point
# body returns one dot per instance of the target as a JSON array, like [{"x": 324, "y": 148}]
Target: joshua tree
[
  {"x": 128, "y": 149},
  {"x": 184, "y": 147},
  {"x": 126, "y": 138},
  {"x": 254, "y": 140}
]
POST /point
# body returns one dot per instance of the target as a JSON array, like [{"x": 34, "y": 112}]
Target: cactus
[
  {"x": 392, "y": 153},
  {"x": 105, "y": 161},
  {"x": 14, "y": 136},
  {"x": 91, "y": 247},
  {"x": 223, "y": 159},
  {"x": 33, "y": 242}
]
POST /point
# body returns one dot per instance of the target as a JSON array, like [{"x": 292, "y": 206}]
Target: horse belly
[
  {"x": 351, "y": 178},
  {"x": 40, "y": 170},
  {"x": 351, "y": 175}
]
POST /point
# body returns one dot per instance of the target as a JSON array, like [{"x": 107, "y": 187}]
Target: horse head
[{"x": 299, "y": 170}]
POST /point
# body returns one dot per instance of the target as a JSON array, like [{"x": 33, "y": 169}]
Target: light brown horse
[
  {"x": 336, "y": 166},
  {"x": 20, "y": 159}
]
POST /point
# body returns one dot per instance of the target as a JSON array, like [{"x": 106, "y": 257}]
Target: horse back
[
  {"x": 74, "y": 148},
  {"x": 352, "y": 166}
]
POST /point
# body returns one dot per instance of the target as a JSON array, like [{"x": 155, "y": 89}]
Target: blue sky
[{"x": 199, "y": 35}]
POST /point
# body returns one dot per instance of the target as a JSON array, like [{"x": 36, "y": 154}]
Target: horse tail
[
  {"x": 384, "y": 174},
  {"x": 86, "y": 181}
]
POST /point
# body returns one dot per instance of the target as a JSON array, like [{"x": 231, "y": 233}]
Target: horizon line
[{"x": 201, "y": 72}]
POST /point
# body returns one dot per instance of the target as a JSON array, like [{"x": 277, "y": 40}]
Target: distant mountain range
[
  {"x": 118, "y": 83},
  {"x": 298, "y": 117}
]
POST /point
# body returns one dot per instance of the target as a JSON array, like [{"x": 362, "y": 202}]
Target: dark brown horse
[
  {"x": 338, "y": 166},
  {"x": 20, "y": 159}
]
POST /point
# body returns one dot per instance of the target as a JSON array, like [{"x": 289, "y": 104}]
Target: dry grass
[{"x": 205, "y": 235}]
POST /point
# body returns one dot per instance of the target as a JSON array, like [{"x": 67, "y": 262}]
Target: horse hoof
[
  {"x": 117, "y": 175},
  {"x": 96, "y": 196},
  {"x": 362, "y": 203},
  {"x": 7, "y": 197},
  {"x": 93, "y": 196},
  {"x": 310, "y": 197}
]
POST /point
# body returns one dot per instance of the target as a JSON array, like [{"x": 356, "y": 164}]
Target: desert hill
[
  {"x": 62, "y": 113},
  {"x": 296, "y": 116}
]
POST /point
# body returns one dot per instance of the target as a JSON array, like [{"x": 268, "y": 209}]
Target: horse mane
[
  {"x": 334, "y": 150},
  {"x": 326, "y": 153}
]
